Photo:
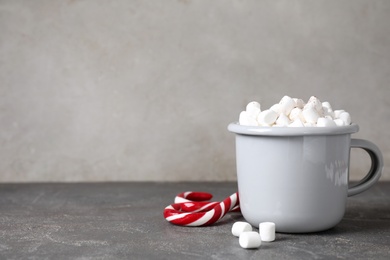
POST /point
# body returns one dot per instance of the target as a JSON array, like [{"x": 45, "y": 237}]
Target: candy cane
[{"x": 190, "y": 209}]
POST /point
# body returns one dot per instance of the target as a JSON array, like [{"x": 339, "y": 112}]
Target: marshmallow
[
  {"x": 299, "y": 103},
  {"x": 295, "y": 114},
  {"x": 282, "y": 120},
  {"x": 246, "y": 119},
  {"x": 286, "y": 105},
  {"x": 328, "y": 112},
  {"x": 267, "y": 117},
  {"x": 327, "y": 106},
  {"x": 296, "y": 123},
  {"x": 240, "y": 227},
  {"x": 324, "y": 122},
  {"x": 250, "y": 239},
  {"x": 346, "y": 117},
  {"x": 337, "y": 113},
  {"x": 306, "y": 124},
  {"x": 267, "y": 231},
  {"x": 253, "y": 108},
  {"x": 311, "y": 115},
  {"x": 339, "y": 122},
  {"x": 315, "y": 103},
  {"x": 276, "y": 108}
]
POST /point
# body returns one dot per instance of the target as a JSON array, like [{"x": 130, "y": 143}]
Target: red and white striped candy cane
[{"x": 191, "y": 209}]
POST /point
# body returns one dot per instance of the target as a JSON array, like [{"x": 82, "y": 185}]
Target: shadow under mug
[{"x": 298, "y": 177}]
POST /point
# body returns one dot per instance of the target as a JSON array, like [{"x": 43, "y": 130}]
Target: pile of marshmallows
[
  {"x": 252, "y": 239},
  {"x": 293, "y": 112}
]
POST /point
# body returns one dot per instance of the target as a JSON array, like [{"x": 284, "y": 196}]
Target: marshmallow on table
[
  {"x": 250, "y": 239},
  {"x": 239, "y": 227},
  {"x": 267, "y": 231}
]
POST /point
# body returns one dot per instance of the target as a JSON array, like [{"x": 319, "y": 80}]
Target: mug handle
[{"x": 376, "y": 166}]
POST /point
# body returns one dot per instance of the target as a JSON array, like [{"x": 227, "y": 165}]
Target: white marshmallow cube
[
  {"x": 282, "y": 120},
  {"x": 286, "y": 105},
  {"x": 240, "y": 227},
  {"x": 250, "y": 239},
  {"x": 311, "y": 115},
  {"x": 306, "y": 124},
  {"x": 327, "y": 106},
  {"x": 246, "y": 119},
  {"x": 346, "y": 117},
  {"x": 328, "y": 112},
  {"x": 276, "y": 108},
  {"x": 339, "y": 122},
  {"x": 299, "y": 103},
  {"x": 297, "y": 123},
  {"x": 267, "y": 117},
  {"x": 315, "y": 103},
  {"x": 267, "y": 231},
  {"x": 337, "y": 113},
  {"x": 295, "y": 114},
  {"x": 325, "y": 122},
  {"x": 253, "y": 108}
]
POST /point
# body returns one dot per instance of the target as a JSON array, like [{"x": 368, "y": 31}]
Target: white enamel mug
[{"x": 298, "y": 177}]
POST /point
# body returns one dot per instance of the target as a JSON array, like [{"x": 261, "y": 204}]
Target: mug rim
[{"x": 236, "y": 128}]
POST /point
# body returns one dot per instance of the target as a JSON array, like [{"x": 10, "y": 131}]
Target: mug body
[{"x": 299, "y": 181}]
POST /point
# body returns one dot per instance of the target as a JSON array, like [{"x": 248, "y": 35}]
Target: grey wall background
[{"x": 144, "y": 90}]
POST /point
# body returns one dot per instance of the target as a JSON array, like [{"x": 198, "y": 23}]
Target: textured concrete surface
[
  {"x": 125, "y": 221},
  {"x": 143, "y": 90}
]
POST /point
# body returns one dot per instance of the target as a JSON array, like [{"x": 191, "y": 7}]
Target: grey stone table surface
[{"x": 125, "y": 221}]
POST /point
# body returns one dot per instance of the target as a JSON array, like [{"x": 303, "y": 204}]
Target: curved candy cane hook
[{"x": 191, "y": 209}]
